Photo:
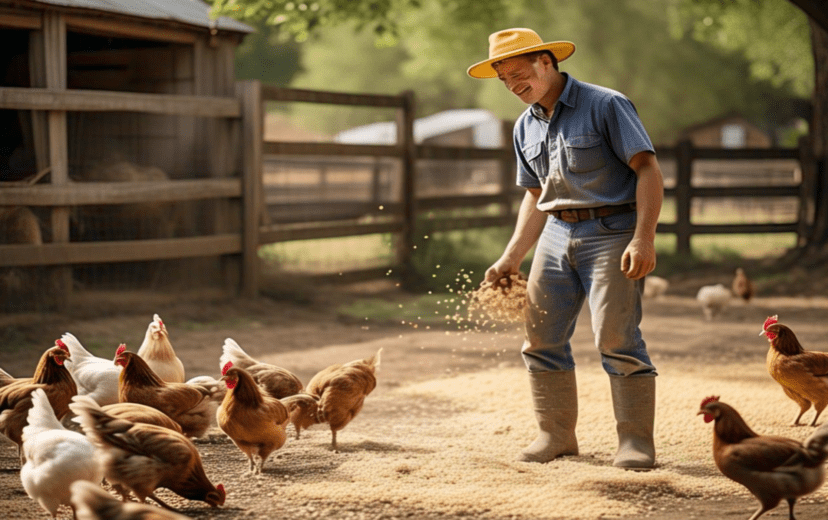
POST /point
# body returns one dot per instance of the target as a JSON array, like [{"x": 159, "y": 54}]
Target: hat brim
[{"x": 562, "y": 50}]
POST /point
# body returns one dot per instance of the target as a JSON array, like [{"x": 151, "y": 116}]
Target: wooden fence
[{"x": 399, "y": 218}]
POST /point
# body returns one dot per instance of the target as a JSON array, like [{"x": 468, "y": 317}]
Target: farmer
[{"x": 593, "y": 194}]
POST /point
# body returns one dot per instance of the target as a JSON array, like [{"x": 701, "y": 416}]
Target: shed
[
  {"x": 462, "y": 127},
  {"x": 99, "y": 92},
  {"x": 731, "y": 130}
]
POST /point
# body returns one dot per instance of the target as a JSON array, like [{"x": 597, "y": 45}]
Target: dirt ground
[{"x": 438, "y": 436}]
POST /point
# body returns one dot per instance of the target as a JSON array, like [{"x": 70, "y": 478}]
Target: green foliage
[
  {"x": 268, "y": 55},
  {"x": 773, "y": 35}
]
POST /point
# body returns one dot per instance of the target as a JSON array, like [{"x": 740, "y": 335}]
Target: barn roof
[{"x": 191, "y": 12}]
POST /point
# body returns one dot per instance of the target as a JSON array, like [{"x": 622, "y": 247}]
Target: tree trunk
[{"x": 819, "y": 131}]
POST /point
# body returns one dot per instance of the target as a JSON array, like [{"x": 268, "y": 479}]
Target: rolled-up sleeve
[{"x": 625, "y": 131}]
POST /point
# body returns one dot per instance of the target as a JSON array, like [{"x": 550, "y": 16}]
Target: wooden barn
[
  {"x": 121, "y": 145},
  {"x": 727, "y": 131}
]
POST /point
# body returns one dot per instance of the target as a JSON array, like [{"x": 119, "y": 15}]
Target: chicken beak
[{"x": 763, "y": 333}]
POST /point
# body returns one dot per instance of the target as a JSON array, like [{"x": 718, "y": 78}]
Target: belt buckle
[{"x": 568, "y": 215}]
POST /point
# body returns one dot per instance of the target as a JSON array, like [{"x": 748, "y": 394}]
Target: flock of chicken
[
  {"x": 137, "y": 418},
  {"x": 712, "y": 298},
  {"x": 776, "y": 468}
]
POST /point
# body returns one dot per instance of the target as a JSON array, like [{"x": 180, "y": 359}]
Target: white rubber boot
[
  {"x": 633, "y": 401},
  {"x": 556, "y": 408}
]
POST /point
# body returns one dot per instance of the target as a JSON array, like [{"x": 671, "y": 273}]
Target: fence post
[
  {"x": 408, "y": 150},
  {"x": 684, "y": 173},
  {"x": 807, "y": 165},
  {"x": 249, "y": 94},
  {"x": 507, "y": 167}
]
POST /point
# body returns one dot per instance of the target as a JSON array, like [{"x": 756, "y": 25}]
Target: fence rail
[{"x": 290, "y": 222}]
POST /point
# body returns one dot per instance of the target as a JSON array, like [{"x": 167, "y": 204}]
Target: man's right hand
[{"x": 499, "y": 269}]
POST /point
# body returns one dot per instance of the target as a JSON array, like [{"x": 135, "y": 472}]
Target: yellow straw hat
[{"x": 513, "y": 42}]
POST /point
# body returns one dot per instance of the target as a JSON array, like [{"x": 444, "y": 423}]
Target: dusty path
[{"x": 437, "y": 437}]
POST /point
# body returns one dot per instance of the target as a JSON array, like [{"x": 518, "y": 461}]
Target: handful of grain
[{"x": 501, "y": 300}]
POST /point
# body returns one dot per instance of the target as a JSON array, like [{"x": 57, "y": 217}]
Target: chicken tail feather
[
  {"x": 233, "y": 352},
  {"x": 96, "y": 423},
  {"x": 41, "y": 415}
]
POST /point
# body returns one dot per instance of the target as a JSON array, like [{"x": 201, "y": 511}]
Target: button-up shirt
[{"x": 579, "y": 156}]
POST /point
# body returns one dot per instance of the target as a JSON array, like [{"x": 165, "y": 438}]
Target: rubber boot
[
  {"x": 633, "y": 401},
  {"x": 556, "y": 409}
]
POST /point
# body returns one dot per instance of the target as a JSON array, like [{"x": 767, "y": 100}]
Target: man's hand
[
  {"x": 639, "y": 259},
  {"x": 502, "y": 267}
]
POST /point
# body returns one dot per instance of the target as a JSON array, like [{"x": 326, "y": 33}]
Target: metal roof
[
  {"x": 191, "y": 12},
  {"x": 486, "y": 126}
]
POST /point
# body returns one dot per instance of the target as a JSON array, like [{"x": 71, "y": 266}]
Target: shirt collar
[{"x": 567, "y": 97}]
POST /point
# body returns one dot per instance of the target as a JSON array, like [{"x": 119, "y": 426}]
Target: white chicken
[
  {"x": 217, "y": 390},
  {"x": 157, "y": 351},
  {"x": 655, "y": 286},
  {"x": 713, "y": 299},
  {"x": 55, "y": 457},
  {"x": 95, "y": 376},
  {"x": 93, "y": 503}
]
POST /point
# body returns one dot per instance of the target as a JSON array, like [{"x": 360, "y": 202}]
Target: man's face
[{"x": 525, "y": 78}]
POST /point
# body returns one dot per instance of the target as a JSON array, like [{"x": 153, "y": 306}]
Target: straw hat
[{"x": 513, "y": 42}]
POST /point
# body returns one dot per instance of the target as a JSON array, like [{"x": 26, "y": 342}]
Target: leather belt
[{"x": 577, "y": 215}]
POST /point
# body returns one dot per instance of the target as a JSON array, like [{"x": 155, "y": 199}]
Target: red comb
[
  {"x": 708, "y": 400},
  {"x": 61, "y": 344},
  {"x": 121, "y": 349},
  {"x": 227, "y": 367},
  {"x": 770, "y": 321},
  {"x": 220, "y": 487}
]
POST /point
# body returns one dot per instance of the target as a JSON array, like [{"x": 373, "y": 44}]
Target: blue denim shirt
[{"x": 580, "y": 157}]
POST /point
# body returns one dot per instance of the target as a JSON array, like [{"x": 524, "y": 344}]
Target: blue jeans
[{"x": 573, "y": 262}]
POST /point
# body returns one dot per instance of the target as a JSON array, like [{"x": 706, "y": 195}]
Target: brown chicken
[
  {"x": 772, "y": 468},
  {"x": 276, "y": 381},
  {"x": 341, "y": 390},
  {"x": 143, "y": 457},
  {"x": 158, "y": 352},
  {"x": 254, "y": 420},
  {"x": 16, "y": 397},
  {"x": 188, "y": 405},
  {"x": 743, "y": 286},
  {"x": 90, "y": 502},
  {"x": 140, "y": 413},
  {"x": 802, "y": 374}
]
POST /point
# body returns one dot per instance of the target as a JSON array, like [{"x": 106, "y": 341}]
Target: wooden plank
[
  {"x": 106, "y": 101},
  {"x": 119, "y": 251},
  {"x": 450, "y": 224},
  {"x": 456, "y": 153},
  {"x": 123, "y": 29},
  {"x": 273, "y": 234},
  {"x": 249, "y": 93},
  {"x": 726, "y": 229},
  {"x": 745, "y": 153},
  {"x": 307, "y": 212},
  {"x": 271, "y": 93},
  {"x": 20, "y": 20},
  {"x": 463, "y": 201},
  {"x": 746, "y": 191},
  {"x": 103, "y": 193},
  {"x": 332, "y": 149}
]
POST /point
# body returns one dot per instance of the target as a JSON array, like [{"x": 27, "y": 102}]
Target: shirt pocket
[
  {"x": 585, "y": 154},
  {"x": 538, "y": 158}
]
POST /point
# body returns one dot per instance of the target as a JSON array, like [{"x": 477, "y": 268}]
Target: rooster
[
  {"x": 90, "y": 502},
  {"x": 341, "y": 390},
  {"x": 188, "y": 405},
  {"x": 252, "y": 419},
  {"x": 772, "y": 468},
  {"x": 96, "y": 377},
  {"x": 159, "y": 354},
  {"x": 803, "y": 374},
  {"x": 143, "y": 457},
  {"x": 55, "y": 457},
  {"x": 16, "y": 398},
  {"x": 743, "y": 286},
  {"x": 277, "y": 381}
]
